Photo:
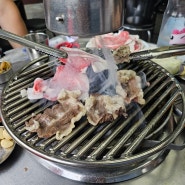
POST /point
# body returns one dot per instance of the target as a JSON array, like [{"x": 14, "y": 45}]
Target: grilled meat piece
[
  {"x": 131, "y": 84},
  {"x": 98, "y": 108},
  {"x": 121, "y": 54},
  {"x": 60, "y": 118},
  {"x": 102, "y": 108}
]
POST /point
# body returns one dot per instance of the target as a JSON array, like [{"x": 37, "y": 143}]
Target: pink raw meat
[
  {"x": 65, "y": 78},
  {"x": 115, "y": 40},
  {"x": 80, "y": 60},
  {"x": 110, "y": 40},
  {"x": 70, "y": 76}
]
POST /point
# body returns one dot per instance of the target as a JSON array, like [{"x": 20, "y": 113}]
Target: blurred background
[
  {"x": 34, "y": 9},
  {"x": 141, "y": 18}
]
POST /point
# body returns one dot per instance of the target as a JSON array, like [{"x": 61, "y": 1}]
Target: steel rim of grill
[{"x": 97, "y": 146}]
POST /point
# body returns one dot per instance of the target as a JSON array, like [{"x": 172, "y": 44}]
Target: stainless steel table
[{"x": 21, "y": 168}]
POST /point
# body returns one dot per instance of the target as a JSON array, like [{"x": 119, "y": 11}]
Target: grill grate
[{"x": 125, "y": 141}]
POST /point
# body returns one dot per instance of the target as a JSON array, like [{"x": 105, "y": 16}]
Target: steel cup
[{"x": 40, "y": 38}]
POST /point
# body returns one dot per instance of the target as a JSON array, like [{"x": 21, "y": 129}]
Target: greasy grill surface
[{"x": 146, "y": 131}]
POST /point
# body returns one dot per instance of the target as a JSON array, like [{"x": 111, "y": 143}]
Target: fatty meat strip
[
  {"x": 71, "y": 76},
  {"x": 113, "y": 41},
  {"x": 102, "y": 108},
  {"x": 130, "y": 83},
  {"x": 60, "y": 118}
]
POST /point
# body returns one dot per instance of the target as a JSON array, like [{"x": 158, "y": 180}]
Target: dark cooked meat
[
  {"x": 59, "y": 119},
  {"x": 102, "y": 108}
]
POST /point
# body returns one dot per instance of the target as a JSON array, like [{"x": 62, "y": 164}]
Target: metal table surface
[{"x": 21, "y": 168}]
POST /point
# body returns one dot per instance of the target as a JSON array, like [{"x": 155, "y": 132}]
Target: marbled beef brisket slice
[
  {"x": 131, "y": 85},
  {"x": 102, "y": 108},
  {"x": 60, "y": 118}
]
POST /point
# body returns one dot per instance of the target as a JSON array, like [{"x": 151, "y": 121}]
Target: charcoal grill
[{"x": 110, "y": 152}]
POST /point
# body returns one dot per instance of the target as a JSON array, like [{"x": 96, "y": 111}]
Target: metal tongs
[
  {"x": 159, "y": 53},
  {"x": 38, "y": 47}
]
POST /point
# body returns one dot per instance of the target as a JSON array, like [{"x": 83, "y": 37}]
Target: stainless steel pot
[{"x": 83, "y": 17}]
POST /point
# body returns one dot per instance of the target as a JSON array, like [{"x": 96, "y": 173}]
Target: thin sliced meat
[
  {"x": 80, "y": 60},
  {"x": 60, "y": 119},
  {"x": 130, "y": 83},
  {"x": 115, "y": 40},
  {"x": 70, "y": 76},
  {"x": 102, "y": 108}
]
